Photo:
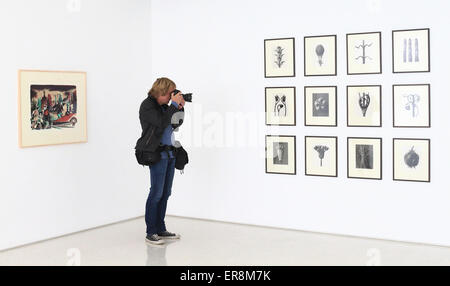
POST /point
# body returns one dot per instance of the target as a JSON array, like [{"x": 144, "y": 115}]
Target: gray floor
[{"x": 216, "y": 243}]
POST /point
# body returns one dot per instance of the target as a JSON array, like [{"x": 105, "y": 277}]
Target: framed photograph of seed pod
[
  {"x": 411, "y": 50},
  {"x": 321, "y": 156},
  {"x": 281, "y": 154},
  {"x": 364, "y": 158},
  {"x": 280, "y": 106},
  {"x": 411, "y": 105},
  {"x": 320, "y": 106},
  {"x": 320, "y": 55},
  {"x": 364, "y": 53},
  {"x": 364, "y": 106},
  {"x": 279, "y": 57},
  {"x": 411, "y": 160}
]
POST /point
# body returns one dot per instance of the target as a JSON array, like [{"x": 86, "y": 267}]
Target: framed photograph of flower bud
[
  {"x": 364, "y": 53},
  {"x": 320, "y": 106},
  {"x": 411, "y": 159},
  {"x": 411, "y": 105},
  {"x": 281, "y": 154},
  {"x": 364, "y": 158},
  {"x": 411, "y": 50},
  {"x": 364, "y": 106},
  {"x": 280, "y": 106},
  {"x": 321, "y": 157},
  {"x": 279, "y": 57},
  {"x": 320, "y": 55}
]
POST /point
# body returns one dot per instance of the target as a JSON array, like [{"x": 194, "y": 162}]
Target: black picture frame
[
  {"x": 295, "y": 105},
  {"x": 429, "y": 160},
  {"x": 336, "y": 106},
  {"x": 429, "y": 106},
  {"x": 295, "y": 155},
  {"x": 293, "y": 57},
  {"x": 380, "y": 52},
  {"x": 337, "y": 151},
  {"x": 381, "y": 106},
  {"x": 304, "y": 55},
  {"x": 381, "y": 158},
  {"x": 429, "y": 51}
]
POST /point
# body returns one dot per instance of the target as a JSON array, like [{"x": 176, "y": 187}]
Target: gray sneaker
[
  {"x": 168, "y": 235},
  {"x": 154, "y": 239}
]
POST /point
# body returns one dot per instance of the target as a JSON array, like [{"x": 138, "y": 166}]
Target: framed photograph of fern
[{"x": 279, "y": 57}]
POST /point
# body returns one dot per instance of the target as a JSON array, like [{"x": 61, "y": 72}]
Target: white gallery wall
[
  {"x": 215, "y": 49},
  {"x": 50, "y": 191}
]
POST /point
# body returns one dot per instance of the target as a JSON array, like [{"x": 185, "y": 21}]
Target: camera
[{"x": 187, "y": 96}]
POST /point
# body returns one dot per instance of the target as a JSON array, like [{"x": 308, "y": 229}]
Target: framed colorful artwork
[{"x": 52, "y": 108}]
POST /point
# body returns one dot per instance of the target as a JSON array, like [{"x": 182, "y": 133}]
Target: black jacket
[{"x": 154, "y": 119}]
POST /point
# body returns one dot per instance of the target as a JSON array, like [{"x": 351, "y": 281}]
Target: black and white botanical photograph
[
  {"x": 320, "y": 105},
  {"x": 320, "y": 55},
  {"x": 321, "y": 156},
  {"x": 364, "y": 158},
  {"x": 281, "y": 154},
  {"x": 364, "y": 53},
  {"x": 279, "y": 57},
  {"x": 411, "y": 105},
  {"x": 364, "y": 106},
  {"x": 280, "y": 106},
  {"x": 411, "y": 159},
  {"x": 411, "y": 50}
]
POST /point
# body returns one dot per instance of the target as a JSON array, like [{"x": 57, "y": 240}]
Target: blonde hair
[{"x": 161, "y": 86}]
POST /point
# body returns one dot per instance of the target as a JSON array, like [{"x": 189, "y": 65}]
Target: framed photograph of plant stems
[
  {"x": 280, "y": 106},
  {"x": 411, "y": 159},
  {"x": 321, "y": 106},
  {"x": 320, "y": 55},
  {"x": 364, "y": 158},
  {"x": 281, "y": 154},
  {"x": 364, "y": 53},
  {"x": 52, "y": 107},
  {"x": 279, "y": 57},
  {"x": 411, "y": 50},
  {"x": 411, "y": 105},
  {"x": 364, "y": 106},
  {"x": 321, "y": 156}
]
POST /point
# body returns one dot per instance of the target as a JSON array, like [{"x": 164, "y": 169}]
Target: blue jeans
[{"x": 161, "y": 178}]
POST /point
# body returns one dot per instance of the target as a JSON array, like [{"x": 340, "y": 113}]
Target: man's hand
[
  {"x": 181, "y": 104},
  {"x": 178, "y": 98}
]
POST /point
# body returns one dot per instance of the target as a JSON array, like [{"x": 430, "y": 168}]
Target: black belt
[{"x": 166, "y": 148}]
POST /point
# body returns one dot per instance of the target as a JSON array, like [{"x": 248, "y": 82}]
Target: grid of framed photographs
[{"x": 411, "y": 105}]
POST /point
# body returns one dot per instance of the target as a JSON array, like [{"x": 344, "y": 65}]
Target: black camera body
[{"x": 187, "y": 96}]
